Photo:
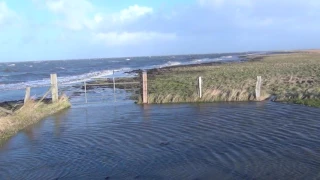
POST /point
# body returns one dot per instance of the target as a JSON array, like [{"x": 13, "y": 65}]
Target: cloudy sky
[{"x": 71, "y": 29}]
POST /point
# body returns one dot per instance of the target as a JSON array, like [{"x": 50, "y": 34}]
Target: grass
[
  {"x": 28, "y": 114},
  {"x": 288, "y": 77},
  {"x": 307, "y": 102}
]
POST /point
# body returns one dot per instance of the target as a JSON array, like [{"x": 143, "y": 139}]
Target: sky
[{"x": 79, "y": 29}]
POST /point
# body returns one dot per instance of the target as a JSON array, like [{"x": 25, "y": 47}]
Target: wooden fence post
[
  {"x": 144, "y": 88},
  {"x": 54, "y": 87},
  {"x": 27, "y": 96},
  {"x": 114, "y": 89},
  {"x": 258, "y": 88},
  {"x": 200, "y": 86},
  {"x": 85, "y": 91}
]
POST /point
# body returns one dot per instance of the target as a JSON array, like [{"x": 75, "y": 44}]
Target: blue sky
[{"x": 72, "y": 29}]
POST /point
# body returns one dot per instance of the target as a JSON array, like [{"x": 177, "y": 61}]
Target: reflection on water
[
  {"x": 146, "y": 111},
  {"x": 260, "y": 140},
  {"x": 57, "y": 121}
]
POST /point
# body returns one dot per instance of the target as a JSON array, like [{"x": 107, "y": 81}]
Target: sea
[{"x": 16, "y": 76}]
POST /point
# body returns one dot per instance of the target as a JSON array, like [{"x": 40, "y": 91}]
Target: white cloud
[
  {"x": 7, "y": 16},
  {"x": 131, "y": 38},
  {"x": 124, "y": 17},
  {"x": 82, "y": 14},
  {"x": 109, "y": 29},
  {"x": 75, "y": 14},
  {"x": 133, "y": 12}
]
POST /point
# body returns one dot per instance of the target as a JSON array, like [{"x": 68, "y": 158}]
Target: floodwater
[{"x": 258, "y": 140}]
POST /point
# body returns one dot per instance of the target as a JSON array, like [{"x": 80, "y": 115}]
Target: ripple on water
[{"x": 224, "y": 141}]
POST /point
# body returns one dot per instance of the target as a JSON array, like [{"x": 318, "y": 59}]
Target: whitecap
[
  {"x": 197, "y": 61},
  {"x": 66, "y": 80},
  {"x": 201, "y": 60},
  {"x": 170, "y": 63}
]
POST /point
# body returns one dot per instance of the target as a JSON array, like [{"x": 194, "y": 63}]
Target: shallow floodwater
[{"x": 261, "y": 140}]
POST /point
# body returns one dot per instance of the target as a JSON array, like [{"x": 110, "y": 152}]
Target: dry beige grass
[{"x": 30, "y": 113}]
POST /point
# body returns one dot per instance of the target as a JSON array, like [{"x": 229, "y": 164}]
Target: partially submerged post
[
  {"x": 27, "y": 95},
  {"x": 114, "y": 88},
  {"x": 144, "y": 88},
  {"x": 200, "y": 86},
  {"x": 54, "y": 87},
  {"x": 85, "y": 91},
  {"x": 258, "y": 88}
]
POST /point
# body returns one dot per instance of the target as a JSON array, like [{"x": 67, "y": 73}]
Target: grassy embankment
[
  {"x": 28, "y": 114},
  {"x": 288, "y": 77}
]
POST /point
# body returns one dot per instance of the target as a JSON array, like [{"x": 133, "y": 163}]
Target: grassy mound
[
  {"x": 307, "y": 102},
  {"x": 28, "y": 114}
]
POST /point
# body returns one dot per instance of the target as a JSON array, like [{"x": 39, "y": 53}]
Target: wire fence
[
  {"x": 111, "y": 90},
  {"x": 116, "y": 89}
]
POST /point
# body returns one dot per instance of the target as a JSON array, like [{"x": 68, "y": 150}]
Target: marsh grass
[
  {"x": 287, "y": 77},
  {"x": 307, "y": 102},
  {"x": 30, "y": 113}
]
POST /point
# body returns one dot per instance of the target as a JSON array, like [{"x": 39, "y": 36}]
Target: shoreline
[
  {"x": 156, "y": 72},
  {"x": 99, "y": 83},
  {"x": 242, "y": 59}
]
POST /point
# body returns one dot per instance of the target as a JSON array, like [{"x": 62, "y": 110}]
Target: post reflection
[
  {"x": 57, "y": 122},
  {"x": 146, "y": 111}
]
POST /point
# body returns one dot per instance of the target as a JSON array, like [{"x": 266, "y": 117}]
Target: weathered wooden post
[
  {"x": 200, "y": 86},
  {"x": 114, "y": 85},
  {"x": 114, "y": 90},
  {"x": 258, "y": 88},
  {"x": 54, "y": 87},
  {"x": 27, "y": 95},
  {"x": 144, "y": 88},
  {"x": 85, "y": 91}
]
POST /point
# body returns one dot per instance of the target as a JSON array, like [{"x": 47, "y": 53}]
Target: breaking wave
[
  {"x": 170, "y": 63},
  {"x": 67, "y": 80}
]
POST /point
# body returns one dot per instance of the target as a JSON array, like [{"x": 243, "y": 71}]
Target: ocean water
[{"x": 15, "y": 77}]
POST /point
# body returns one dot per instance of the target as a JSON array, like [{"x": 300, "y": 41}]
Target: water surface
[{"x": 262, "y": 140}]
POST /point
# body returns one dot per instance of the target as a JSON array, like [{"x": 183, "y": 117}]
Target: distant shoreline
[{"x": 242, "y": 58}]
